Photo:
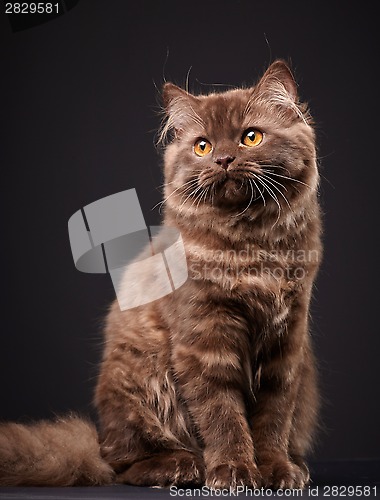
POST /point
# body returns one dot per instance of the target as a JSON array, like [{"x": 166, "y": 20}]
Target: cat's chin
[{"x": 232, "y": 193}]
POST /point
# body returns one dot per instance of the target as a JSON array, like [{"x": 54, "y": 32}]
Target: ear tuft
[
  {"x": 180, "y": 110},
  {"x": 170, "y": 92},
  {"x": 280, "y": 72},
  {"x": 278, "y": 89}
]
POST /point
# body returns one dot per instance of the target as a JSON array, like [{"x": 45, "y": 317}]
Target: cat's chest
[{"x": 260, "y": 284}]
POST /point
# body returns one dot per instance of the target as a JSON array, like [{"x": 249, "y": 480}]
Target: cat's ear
[
  {"x": 180, "y": 108},
  {"x": 278, "y": 87},
  {"x": 279, "y": 78}
]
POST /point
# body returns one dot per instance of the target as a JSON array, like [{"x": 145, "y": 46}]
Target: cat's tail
[{"x": 64, "y": 452}]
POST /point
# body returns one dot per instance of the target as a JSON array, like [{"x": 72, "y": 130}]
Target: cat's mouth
[
  {"x": 231, "y": 187},
  {"x": 245, "y": 184}
]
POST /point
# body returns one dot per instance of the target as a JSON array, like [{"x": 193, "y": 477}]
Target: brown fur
[
  {"x": 216, "y": 383},
  {"x": 64, "y": 452}
]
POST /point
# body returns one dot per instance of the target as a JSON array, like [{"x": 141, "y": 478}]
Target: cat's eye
[
  {"x": 252, "y": 137},
  {"x": 202, "y": 147}
]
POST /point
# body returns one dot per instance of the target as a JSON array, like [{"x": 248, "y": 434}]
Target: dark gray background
[{"x": 78, "y": 115}]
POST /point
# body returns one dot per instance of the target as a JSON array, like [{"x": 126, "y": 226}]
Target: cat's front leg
[
  {"x": 276, "y": 416},
  {"x": 207, "y": 354},
  {"x": 216, "y": 405},
  {"x": 271, "y": 427}
]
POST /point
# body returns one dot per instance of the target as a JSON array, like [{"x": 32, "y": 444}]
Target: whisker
[
  {"x": 206, "y": 193},
  {"x": 198, "y": 200},
  {"x": 286, "y": 177},
  {"x": 188, "y": 185},
  {"x": 277, "y": 188},
  {"x": 193, "y": 192},
  {"x": 272, "y": 165},
  {"x": 197, "y": 197},
  {"x": 272, "y": 195},
  {"x": 267, "y": 174},
  {"x": 250, "y": 201},
  {"x": 259, "y": 190}
]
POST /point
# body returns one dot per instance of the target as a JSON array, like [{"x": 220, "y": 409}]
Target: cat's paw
[
  {"x": 233, "y": 475},
  {"x": 165, "y": 469},
  {"x": 284, "y": 474}
]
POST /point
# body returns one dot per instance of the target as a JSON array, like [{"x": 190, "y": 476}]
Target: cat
[{"x": 215, "y": 383}]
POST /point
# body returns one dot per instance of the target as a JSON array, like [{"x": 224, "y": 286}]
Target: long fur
[
  {"x": 64, "y": 452},
  {"x": 215, "y": 383}
]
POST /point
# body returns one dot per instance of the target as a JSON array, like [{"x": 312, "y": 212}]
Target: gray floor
[{"x": 341, "y": 474}]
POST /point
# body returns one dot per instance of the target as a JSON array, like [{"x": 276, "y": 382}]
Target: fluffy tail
[{"x": 60, "y": 453}]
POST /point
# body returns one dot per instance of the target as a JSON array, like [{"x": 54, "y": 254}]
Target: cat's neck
[{"x": 215, "y": 229}]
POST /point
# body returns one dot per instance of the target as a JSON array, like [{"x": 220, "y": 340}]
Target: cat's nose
[{"x": 224, "y": 161}]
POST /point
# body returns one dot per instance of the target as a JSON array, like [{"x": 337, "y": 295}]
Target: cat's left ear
[
  {"x": 278, "y": 87},
  {"x": 278, "y": 78}
]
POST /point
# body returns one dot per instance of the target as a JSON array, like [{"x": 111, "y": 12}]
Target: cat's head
[{"x": 241, "y": 151}]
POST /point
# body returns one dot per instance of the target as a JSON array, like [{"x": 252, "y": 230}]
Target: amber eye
[
  {"x": 202, "y": 147},
  {"x": 252, "y": 137}
]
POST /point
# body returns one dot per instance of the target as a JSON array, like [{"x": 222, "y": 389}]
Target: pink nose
[{"x": 224, "y": 161}]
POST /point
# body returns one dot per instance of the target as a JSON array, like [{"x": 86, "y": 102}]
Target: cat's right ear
[{"x": 179, "y": 107}]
